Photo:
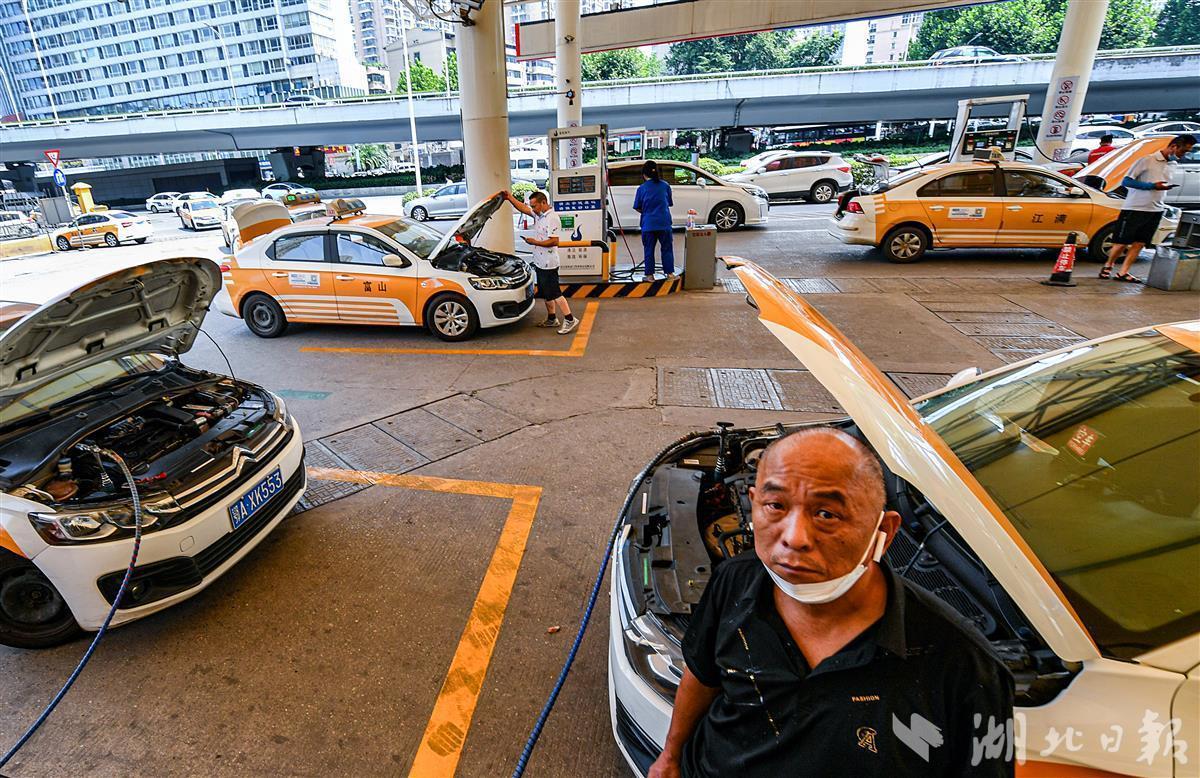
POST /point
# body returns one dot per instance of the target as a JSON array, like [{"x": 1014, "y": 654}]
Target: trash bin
[
  {"x": 700, "y": 257},
  {"x": 1175, "y": 269}
]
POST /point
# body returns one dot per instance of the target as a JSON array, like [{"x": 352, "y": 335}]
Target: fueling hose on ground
[
  {"x": 87, "y": 655},
  {"x": 540, "y": 724}
]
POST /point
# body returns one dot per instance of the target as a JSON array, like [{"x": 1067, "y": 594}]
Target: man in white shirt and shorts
[{"x": 545, "y": 259}]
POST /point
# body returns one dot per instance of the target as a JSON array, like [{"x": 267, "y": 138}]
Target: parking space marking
[
  {"x": 577, "y": 349},
  {"x": 446, "y": 732}
]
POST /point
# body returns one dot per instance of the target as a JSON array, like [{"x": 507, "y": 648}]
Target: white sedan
[
  {"x": 715, "y": 200},
  {"x": 281, "y": 189}
]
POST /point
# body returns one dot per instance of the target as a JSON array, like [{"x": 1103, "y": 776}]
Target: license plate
[{"x": 253, "y": 500}]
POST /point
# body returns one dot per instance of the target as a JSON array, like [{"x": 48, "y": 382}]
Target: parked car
[
  {"x": 297, "y": 100},
  {"x": 980, "y": 205},
  {"x": 1108, "y": 172},
  {"x": 449, "y": 201},
  {"x": 310, "y": 207},
  {"x": 1089, "y": 138},
  {"x": 816, "y": 175},
  {"x": 163, "y": 202},
  {"x": 529, "y": 168},
  {"x": 961, "y": 55},
  {"x": 104, "y": 228},
  {"x": 1051, "y": 503},
  {"x": 940, "y": 157},
  {"x": 359, "y": 268},
  {"x": 715, "y": 200},
  {"x": 223, "y": 457},
  {"x": 281, "y": 189},
  {"x": 1168, "y": 127},
  {"x": 187, "y": 197},
  {"x": 763, "y": 157},
  {"x": 199, "y": 215},
  {"x": 16, "y": 224},
  {"x": 240, "y": 194}
]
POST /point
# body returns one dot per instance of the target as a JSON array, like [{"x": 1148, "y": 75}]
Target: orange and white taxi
[
  {"x": 980, "y": 205},
  {"x": 359, "y": 268},
  {"x": 105, "y": 228}
]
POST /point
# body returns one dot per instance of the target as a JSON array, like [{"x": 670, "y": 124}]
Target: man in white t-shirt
[
  {"x": 1147, "y": 184},
  {"x": 545, "y": 259}
]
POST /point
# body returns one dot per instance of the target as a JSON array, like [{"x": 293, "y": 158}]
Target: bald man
[{"x": 808, "y": 657}]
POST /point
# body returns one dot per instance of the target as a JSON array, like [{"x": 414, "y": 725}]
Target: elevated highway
[{"x": 1122, "y": 81}]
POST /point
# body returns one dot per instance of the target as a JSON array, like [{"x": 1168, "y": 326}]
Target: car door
[
  {"x": 773, "y": 177},
  {"x": 440, "y": 203},
  {"x": 368, "y": 291},
  {"x": 76, "y": 229},
  {"x": 1187, "y": 175},
  {"x": 92, "y": 233},
  {"x": 686, "y": 192},
  {"x": 1039, "y": 210},
  {"x": 301, "y": 276},
  {"x": 962, "y": 208},
  {"x": 623, "y": 181},
  {"x": 458, "y": 200}
]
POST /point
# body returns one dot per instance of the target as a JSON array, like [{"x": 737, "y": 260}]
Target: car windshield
[
  {"x": 71, "y": 386},
  {"x": 1092, "y": 454},
  {"x": 414, "y": 236},
  {"x": 201, "y": 205}
]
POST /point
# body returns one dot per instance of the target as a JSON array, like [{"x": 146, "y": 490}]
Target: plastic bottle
[{"x": 691, "y": 220}]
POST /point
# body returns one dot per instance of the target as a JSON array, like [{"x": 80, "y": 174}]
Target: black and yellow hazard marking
[{"x": 660, "y": 288}]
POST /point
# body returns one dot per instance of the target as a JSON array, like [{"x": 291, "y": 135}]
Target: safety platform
[{"x": 606, "y": 289}]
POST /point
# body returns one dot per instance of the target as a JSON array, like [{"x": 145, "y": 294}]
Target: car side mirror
[
  {"x": 700, "y": 182},
  {"x": 1076, "y": 192},
  {"x": 761, "y": 170},
  {"x": 394, "y": 260}
]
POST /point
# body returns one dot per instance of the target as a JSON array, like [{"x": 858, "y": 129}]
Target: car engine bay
[
  {"x": 697, "y": 513},
  {"x": 463, "y": 258}
]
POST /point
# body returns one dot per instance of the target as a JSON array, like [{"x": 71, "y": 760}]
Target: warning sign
[
  {"x": 1084, "y": 438},
  {"x": 1064, "y": 93},
  {"x": 52, "y": 155}
]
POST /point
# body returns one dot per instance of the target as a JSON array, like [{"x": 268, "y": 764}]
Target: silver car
[{"x": 448, "y": 202}]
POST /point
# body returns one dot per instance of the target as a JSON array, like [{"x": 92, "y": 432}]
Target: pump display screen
[
  {"x": 982, "y": 140},
  {"x": 576, "y": 185}
]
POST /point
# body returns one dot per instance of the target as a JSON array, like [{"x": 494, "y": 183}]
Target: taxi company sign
[
  {"x": 1063, "y": 97},
  {"x": 968, "y": 213}
]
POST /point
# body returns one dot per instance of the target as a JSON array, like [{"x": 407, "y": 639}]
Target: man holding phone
[{"x": 1147, "y": 182}]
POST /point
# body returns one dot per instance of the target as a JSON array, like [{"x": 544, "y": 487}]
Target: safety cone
[{"x": 1061, "y": 276}]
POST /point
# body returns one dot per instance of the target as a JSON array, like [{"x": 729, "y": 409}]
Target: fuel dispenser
[
  {"x": 978, "y": 144},
  {"x": 578, "y": 195}
]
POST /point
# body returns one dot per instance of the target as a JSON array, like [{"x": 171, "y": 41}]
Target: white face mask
[{"x": 828, "y": 591}]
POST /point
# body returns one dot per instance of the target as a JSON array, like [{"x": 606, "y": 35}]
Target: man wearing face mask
[{"x": 808, "y": 657}]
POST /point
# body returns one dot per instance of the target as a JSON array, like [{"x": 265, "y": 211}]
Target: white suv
[
  {"x": 718, "y": 201},
  {"x": 816, "y": 175}
]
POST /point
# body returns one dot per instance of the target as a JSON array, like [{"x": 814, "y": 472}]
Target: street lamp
[
  {"x": 38, "y": 54},
  {"x": 228, "y": 65},
  {"x": 412, "y": 118}
]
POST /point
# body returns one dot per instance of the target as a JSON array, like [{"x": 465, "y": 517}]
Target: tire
[
  {"x": 420, "y": 214},
  {"x": 727, "y": 216},
  {"x": 32, "y": 612},
  {"x": 823, "y": 191},
  {"x": 182, "y": 224},
  {"x": 111, "y": 240},
  {"x": 140, "y": 240},
  {"x": 263, "y": 316},
  {"x": 451, "y": 318},
  {"x": 1100, "y": 244},
  {"x": 906, "y": 243},
  {"x": 62, "y": 243}
]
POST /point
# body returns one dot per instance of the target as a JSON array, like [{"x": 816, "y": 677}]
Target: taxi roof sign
[
  {"x": 346, "y": 206},
  {"x": 301, "y": 198}
]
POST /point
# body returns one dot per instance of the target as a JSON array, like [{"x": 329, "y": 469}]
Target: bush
[
  {"x": 439, "y": 173},
  {"x": 414, "y": 194},
  {"x": 521, "y": 189}
]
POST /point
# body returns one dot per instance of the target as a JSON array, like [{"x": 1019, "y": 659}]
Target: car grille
[
  {"x": 171, "y": 576},
  {"x": 641, "y": 749}
]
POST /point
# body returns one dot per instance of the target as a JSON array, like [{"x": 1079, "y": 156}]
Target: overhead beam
[{"x": 690, "y": 19}]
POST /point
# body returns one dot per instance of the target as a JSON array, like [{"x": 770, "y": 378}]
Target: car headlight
[
  {"x": 101, "y": 522},
  {"x": 757, "y": 191},
  {"x": 280, "y": 413},
  {"x": 654, "y": 654},
  {"x": 496, "y": 282}
]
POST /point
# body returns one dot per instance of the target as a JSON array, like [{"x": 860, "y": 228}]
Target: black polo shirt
[{"x": 853, "y": 714}]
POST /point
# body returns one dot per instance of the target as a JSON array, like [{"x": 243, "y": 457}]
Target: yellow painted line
[
  {"x": 577, "y": 349},
  {"x": 446, "y": 732}
]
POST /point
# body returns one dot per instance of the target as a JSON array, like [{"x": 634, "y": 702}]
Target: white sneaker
[{"x": 568, "y": 325}]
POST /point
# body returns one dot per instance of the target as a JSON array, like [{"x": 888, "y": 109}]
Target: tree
[
  {"x": 816, "y": 51},
  {"x": 756, "y": 51},
  {"x": 620, "y": 64},
  {"x": 369, "y": 156},
  {"x": 424, "y": 79},
  {"x": 1178, "y": 24}
]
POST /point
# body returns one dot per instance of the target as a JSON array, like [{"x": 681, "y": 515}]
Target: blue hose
[
  {"x": 540, "y": 724},
  {"x": 137, "y": 543}
]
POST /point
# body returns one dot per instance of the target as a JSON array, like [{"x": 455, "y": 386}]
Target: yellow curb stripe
[
  {"x": 611, "y": 291},
  {"x": 446, "y": 732}
]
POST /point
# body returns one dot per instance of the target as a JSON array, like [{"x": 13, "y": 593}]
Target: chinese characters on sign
[
  {"x": 1063, "y": 97},
  {"x": 1158, "y": 740}
]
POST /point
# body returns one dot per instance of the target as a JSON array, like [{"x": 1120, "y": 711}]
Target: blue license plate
[{"x": 252, "y": 501}]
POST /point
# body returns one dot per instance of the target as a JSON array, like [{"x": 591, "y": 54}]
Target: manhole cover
[
  {"x": 370, "y": 448},
  {"x": 917, "y": 384},
  {"x": 476, "y": 417},
  {"x": 737, "y": 387},
  {"x": 1039, "y": 345},
  {"x": 1009, "y": 329},
  {"x": 799, "y": 390},
  {"x": 743, "y": 388},
  {"x": 811, "y": 285},
  {"x": 320, "y": 492},
  {"x": 688, "y": 386},
  {"x": 1009, "y": 355},
  {"x": 428, "y": 435},
  {"x": 973, "y": 305}
]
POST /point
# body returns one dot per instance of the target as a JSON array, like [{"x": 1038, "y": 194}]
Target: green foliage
[
  {"x": 816, "y": 51},
  {"x": 710, "y": 165},
  {"x": 426, "y": 79},
  {"x": 620, "y": 64},
  {"x": 522, "y": 188},
  {"x": 757, "y": 51},
  {"x": 414, "y": 194},
  {"x": 1178, "y": 24},
  {"x": 439, "y": 173},
  {"x": 371, "y": 155}
]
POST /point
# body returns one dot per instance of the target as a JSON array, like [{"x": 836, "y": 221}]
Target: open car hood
[
  {"x": 471, "y": 223},
  {"x": 1115, "y": 165},
  {"x": 259, "y": 218},
  {"x": 156, "y": 307},
  {"x": 915, "y": 452}
]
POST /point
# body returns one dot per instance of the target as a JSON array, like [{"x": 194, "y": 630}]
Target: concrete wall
[{"x": 134, "y": 184}]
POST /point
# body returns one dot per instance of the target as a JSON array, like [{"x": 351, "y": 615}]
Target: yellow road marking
[
  {"x": 578, "y": 345},
  {"x": 446, "y": 732}
]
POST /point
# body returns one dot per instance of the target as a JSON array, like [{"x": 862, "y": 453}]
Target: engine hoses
[
  {"x": 540, "y": 724},
  {"x": 87, "y": 655}
]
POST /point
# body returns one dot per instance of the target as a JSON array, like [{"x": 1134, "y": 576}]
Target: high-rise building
[
  {"x": 888, "y": 38},
  {"x": 75, "y": 57}
]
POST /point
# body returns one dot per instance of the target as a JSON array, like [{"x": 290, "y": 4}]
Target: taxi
[
  {"x": 301, "y": 207},
  {"x": 107, "y": 228},
  {"x": 360, "y": 268},
  {"x": 980, "y": 205}
]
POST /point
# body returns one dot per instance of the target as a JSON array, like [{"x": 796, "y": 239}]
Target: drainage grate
[
  {"x": 971, "y": 305},
  {"x": 1040, "y": 345},
  {"x": 428, "y": 435},
  {"x": 320, "y": 492},
  {"x": 799, "y": 390},
  {"x": 811, "y": 285},
  {"x": 917, "y": 384},
  {"x": 737, "y": 387},
  {"x": 733, "y": 285},
  {"x": 482, "y": 420},
  {"x": 370, "y": 448},
  {"x": 855, "y": 285},
  {"x": 1011, "y": 329},
  {"x": 743, "y": 388}
]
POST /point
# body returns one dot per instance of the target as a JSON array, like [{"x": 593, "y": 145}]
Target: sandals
[
  {"x": 1127, "y": 278},
  {"x": 1106, "y": 271}
]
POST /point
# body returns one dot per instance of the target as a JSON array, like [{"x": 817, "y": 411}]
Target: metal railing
[{"x": 1161, "y": 51}]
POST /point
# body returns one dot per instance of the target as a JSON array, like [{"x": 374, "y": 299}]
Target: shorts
[
  {"x": 1136, "y": 227},
  {"x": 547, "y": 284}
]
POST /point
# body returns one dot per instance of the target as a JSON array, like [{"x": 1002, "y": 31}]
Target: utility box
[
  {"x": 1187, "y": 234},
  {"x": 700, "y": 257},
  {"x": 55, "y": 211},
  {"x": 1175, "y": 270}
]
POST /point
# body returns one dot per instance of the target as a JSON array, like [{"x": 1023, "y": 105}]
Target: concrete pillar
[
  {"x": 568, "y": 77},
  {"x": 1069, "y": 81},
  {"x": 483, "y": 86}
]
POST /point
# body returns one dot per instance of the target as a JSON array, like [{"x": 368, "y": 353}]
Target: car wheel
[
  {"x": 140, "y": 240},
  {"x": 823, "y": 191},
  {"x": 452, "y": 318},
  {"x": 32, "y": 612},
  {"x": 420, "y": 214},
  {"x": 63, "y": 244},
  {"x": 111, "y": 241},
  {"x": 727, "y": 216},
  {"x": 905, "y": 244},
  {"x": 263, "y": 316},
  {"x": 1101, "y": 244}
]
